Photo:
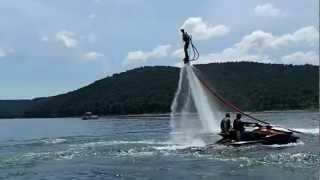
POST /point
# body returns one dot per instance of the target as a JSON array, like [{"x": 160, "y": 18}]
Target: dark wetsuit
[
  {"x": 186, "y": 39},
  {"x": 238, "y": 126}
]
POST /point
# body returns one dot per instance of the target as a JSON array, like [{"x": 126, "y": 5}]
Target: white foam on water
[
  {"x": 308, "y": 131},
  {"x": 192, "y": 111},
  {"x": 54, "y": 141},
  {"x": 135, "y": 153},
  {"x": 36, "y": 155},
  {"x": 56, "y": 155},
  {"x": 299, "y": 143},
  {"x": 112, "y": 143},
  {"x": 169, "y": 147},
  {"x": 286, "y": 158}
]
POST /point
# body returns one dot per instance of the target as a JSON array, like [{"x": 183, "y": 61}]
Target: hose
[
  {"x": 195, "y": 52},
  {"x": 227, "y": 103}
]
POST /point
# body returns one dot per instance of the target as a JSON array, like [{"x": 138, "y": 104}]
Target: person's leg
[
  {"x": 238, "y": 133},
  {"x": 186, "y": 55}
]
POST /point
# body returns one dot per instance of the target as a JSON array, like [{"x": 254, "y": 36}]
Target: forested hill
[{"x": 251, "y": 86}]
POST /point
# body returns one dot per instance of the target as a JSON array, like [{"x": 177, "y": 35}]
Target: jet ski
[{"x": 267, "y": 135}]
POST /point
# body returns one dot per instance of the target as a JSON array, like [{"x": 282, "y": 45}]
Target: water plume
[{"x": 194, "y": 111}]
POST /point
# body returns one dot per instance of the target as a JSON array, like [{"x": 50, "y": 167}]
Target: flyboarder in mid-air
[{"x": 186, "y": 39}]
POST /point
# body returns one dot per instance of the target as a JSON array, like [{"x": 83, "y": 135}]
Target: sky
[{"x": 52, "y": 47}]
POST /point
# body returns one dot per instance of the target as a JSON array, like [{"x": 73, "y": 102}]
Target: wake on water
[{"x": 193, "y": 112}]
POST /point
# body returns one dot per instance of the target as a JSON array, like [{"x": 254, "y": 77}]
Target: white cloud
[
  {"x": 160, "y": 51},
  {"x": 45, "y": 38},
  {"x": 92, "y": 16},
  {"x": 308, "y": 35},
  {"x": 4, "y": 52},
  {"x": 67, "y": 38},
  {"x": 179, "y": 53},
  {"x": 232, "y": 55},
  {"x": 138, "y": 57},
  {"x": 257, "y": 40},
  {"x": 135, "y": 57},
  {"x": 92, "y": 55},
  {"x": 267, "y": 10},
  {"x": 309, "y": 57},
  {"x": 260, "y": 40},
  {"x": 227, "y": 55},
  {"x": 260, "y": 46},
  {"x": 201, "y": 30}
]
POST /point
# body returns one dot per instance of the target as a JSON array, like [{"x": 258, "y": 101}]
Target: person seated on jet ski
[
  {"x": 225, "y": 124},
  {"x": 239, "y": 128}
]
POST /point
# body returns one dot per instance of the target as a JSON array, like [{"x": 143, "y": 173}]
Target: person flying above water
[{"x": 186, "y": 39}]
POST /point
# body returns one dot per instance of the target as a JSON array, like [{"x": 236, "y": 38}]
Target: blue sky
[{"x": 52, "y": 47}]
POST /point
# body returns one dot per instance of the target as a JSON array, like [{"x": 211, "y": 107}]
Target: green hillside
[
  {"x": 14, "y": 108},
  {"x": 251, "y": 86}
]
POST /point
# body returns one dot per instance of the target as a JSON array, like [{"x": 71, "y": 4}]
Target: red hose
[{"x": 224, "y": 101}]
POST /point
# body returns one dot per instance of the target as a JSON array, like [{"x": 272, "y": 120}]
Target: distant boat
[{"x": 89, "y": 115}]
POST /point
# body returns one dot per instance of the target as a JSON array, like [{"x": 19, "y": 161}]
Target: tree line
[{"x": 251, "y": 86}]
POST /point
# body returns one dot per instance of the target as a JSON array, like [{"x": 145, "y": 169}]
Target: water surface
[{"x": 140, "y": 148}]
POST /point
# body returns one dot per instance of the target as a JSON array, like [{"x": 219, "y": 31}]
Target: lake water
[{"x": 140, "y": 148}]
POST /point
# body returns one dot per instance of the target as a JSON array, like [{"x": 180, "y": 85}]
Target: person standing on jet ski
[
  {"x": 225, "y": 124},
  {"x": 186, "y": 39},
  {"x": 238, "y": 126}
]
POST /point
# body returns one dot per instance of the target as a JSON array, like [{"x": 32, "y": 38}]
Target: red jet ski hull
[{"x": 261, "y": 135}]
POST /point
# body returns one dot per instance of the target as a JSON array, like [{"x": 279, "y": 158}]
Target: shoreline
[{"x": 159, "y": 115}]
